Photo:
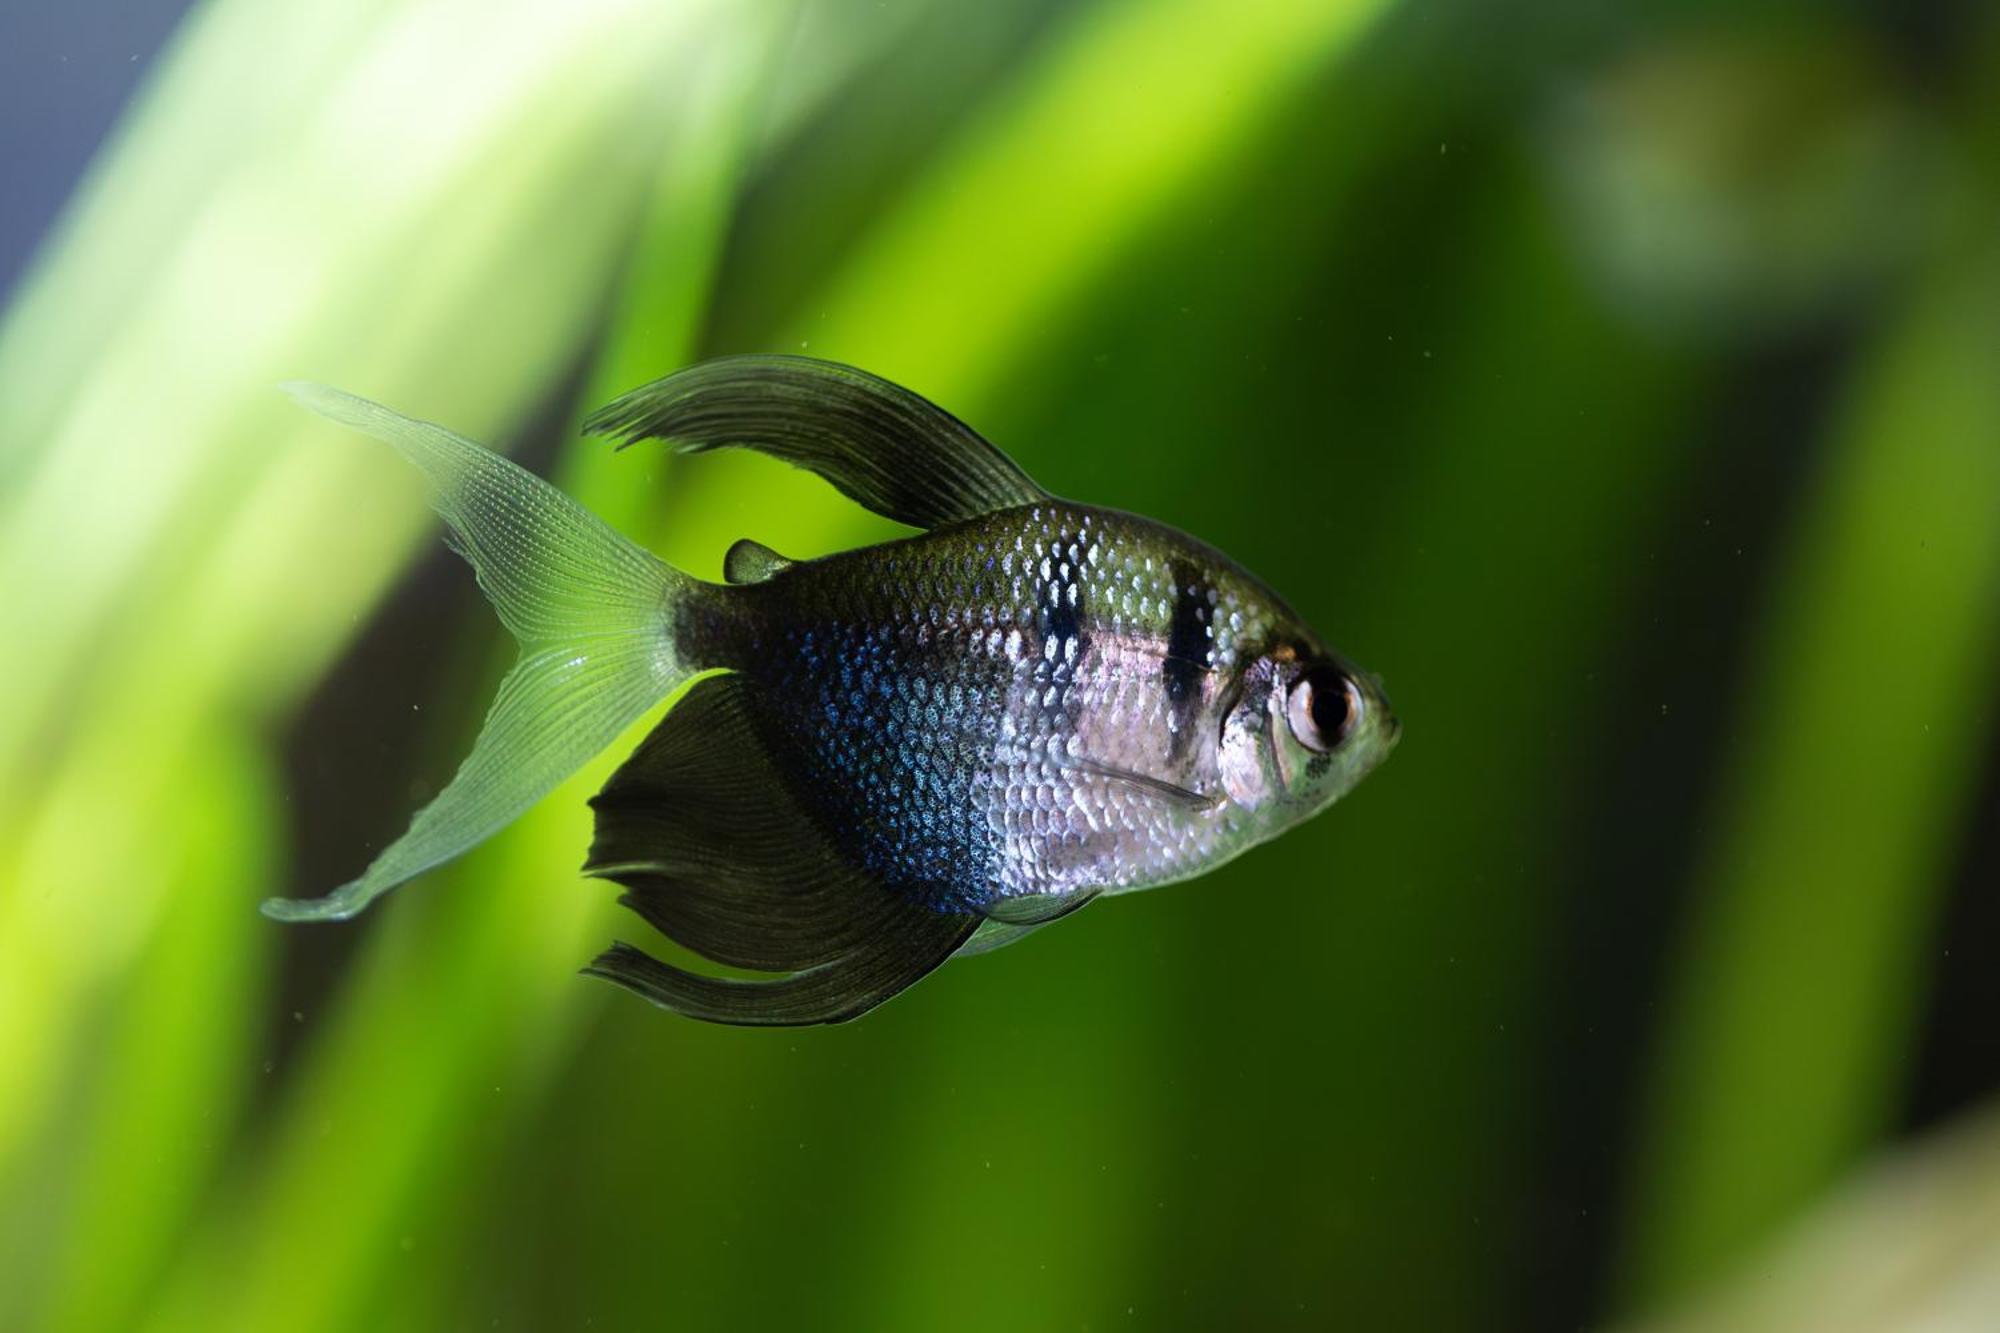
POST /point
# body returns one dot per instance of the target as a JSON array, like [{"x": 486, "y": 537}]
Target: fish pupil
[{"x": 1332, "y": 704}]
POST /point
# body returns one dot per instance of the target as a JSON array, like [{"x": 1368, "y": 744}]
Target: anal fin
[
  {"x": 886, "y": 964},
  {"x": 699, "y": 828}
]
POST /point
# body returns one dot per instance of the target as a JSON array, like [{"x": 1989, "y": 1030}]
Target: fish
[{"x": 882, "y": 758}]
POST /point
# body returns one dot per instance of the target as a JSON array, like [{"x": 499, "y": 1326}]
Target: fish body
[
  {"x": 1027, "y": 704},
  {"x": 920, "y": 748}
]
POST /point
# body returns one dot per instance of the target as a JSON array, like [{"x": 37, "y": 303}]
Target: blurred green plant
[
  {"x": 1913, "y": 1243},
  {"x": 1850, "y": 785},
  {"x": 444, "y": 241},
  {"x": 1741, "y": 185}
]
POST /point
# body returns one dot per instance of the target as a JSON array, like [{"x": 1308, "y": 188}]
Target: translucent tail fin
[{"x": 590, "y": 609}]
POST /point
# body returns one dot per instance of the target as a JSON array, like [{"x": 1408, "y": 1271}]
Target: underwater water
[{"x": 1617, "y": 386}]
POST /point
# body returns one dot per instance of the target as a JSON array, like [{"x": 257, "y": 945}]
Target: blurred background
[{"x": 1621, "y": 383}]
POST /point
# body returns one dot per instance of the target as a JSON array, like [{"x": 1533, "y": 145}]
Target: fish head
[{"x": 1302, "y": 728}]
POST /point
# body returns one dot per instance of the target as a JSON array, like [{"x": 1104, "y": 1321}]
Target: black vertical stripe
[
  {"x": 1059, "y": 619},
  {"x": 1187, "y": 636},
  {"x": 1058, "y": 611},
  {"x": 1187, "y": 652}
]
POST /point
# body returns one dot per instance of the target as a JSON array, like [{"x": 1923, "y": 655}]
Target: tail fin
[{"x": 591, "y": 611}]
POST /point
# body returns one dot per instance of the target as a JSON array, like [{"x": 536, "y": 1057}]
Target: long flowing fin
[
  {"x": 590, "y": 609},
  {"x": 833, "y": 993},
  {"x": 715, "y": 853},
  {"x": 894, "y": 451}
]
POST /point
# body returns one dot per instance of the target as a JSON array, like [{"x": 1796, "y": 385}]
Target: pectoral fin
[
  {"x": 881, "y": 445},
  {"x": 1158, "y": 788},
  {"x": 1037, "y": 909},
  {"x": 993, "y": 935}
]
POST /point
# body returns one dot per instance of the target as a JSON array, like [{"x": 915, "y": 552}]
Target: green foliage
[
  {"x": 1850, "y": 786},
  {"x": 1649, "y": 457}
]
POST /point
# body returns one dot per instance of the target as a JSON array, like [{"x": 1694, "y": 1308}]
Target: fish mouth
[{"x": 1391, "y": 726}]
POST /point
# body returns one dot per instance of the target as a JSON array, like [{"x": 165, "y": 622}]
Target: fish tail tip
[
  {"x": 304, "y": 391},
  {"x": 323, "y": 399},
  {"x": 290, "y": 910}
]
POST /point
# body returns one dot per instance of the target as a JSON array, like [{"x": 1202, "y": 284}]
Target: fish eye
[{"x": 1323, "y": 708}]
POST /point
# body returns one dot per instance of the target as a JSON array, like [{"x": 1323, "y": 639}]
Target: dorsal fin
[
  {"x": 881, "y": 445},
  {"x": 751, "y": 562}
]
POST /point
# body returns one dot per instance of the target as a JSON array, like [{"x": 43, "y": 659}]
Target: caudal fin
[{"x": 589, "y": 608}]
